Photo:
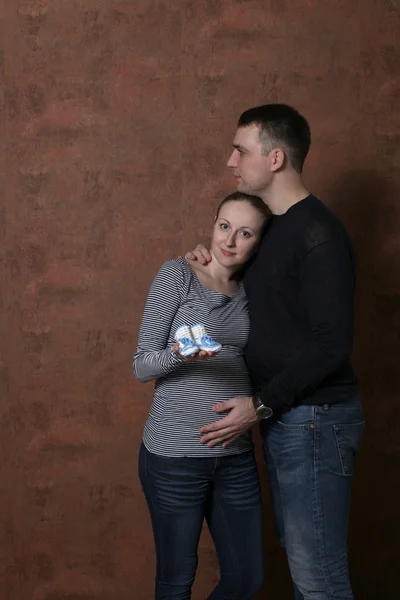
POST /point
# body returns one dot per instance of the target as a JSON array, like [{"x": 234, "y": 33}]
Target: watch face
[{"x": 264, "y": 412}]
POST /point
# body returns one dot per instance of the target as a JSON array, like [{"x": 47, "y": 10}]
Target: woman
[{"x": 185, "y": 482}]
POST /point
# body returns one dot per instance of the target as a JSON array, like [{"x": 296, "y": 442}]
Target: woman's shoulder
[{"x": 176, "y": 268}]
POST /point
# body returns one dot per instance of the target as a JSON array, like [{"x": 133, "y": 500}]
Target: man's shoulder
[{"x": 323, "y": 225}]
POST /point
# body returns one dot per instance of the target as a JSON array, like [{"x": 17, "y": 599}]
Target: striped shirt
[{"x": 185, "y": 390}]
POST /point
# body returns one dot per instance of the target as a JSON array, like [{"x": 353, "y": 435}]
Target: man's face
[{"x": 250, "y": 167}]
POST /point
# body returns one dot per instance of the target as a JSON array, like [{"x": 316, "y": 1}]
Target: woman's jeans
[
  {"x": 310, "y": 454},
  {"x": 180, "y": 493}
]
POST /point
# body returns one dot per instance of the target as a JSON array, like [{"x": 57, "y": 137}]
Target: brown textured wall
[{"x": 117, "y": 121}]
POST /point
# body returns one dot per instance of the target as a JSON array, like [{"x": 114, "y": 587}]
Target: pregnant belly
[
  {"x": 193, "y": 408},
  {"x": 189, "y": 393}
]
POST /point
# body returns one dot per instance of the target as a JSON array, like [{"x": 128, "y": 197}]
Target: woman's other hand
[{"x": 200, "y": 355}]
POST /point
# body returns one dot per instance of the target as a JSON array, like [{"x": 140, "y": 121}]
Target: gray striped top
[{"x": 186, "y": 390}]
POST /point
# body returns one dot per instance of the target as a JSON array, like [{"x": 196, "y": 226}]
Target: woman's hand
[{"x": 200, "y": 355}]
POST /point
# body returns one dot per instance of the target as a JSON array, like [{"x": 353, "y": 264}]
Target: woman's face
[{"x": 237, "y": 233}]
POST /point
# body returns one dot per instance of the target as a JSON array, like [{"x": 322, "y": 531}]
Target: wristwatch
[{"x": 262, "y": 412}]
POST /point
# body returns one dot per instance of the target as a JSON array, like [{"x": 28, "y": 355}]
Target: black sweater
[{"x": 300, "y": 289}]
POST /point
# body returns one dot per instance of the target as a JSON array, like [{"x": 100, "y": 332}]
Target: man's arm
[{"x": 327, "y": 293}]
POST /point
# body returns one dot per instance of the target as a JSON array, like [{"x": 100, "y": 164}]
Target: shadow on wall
[{"x": 368, "y": 205}]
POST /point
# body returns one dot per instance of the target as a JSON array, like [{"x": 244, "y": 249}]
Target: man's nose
[{"x": 232, "y": 162}]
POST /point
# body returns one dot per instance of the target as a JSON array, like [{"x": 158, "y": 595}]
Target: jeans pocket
[
  {"x": 348, "y": 439},
  {"x": 301, "y": 417},
  {"x": 304, "y": 426}
]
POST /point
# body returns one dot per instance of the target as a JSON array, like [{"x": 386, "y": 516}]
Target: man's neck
[{"x": 284, "y": 193}]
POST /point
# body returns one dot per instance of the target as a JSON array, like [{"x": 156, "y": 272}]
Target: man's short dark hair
[{"x": 281, "y": 125}]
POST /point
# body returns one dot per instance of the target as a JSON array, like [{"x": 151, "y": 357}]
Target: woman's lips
[{"x": 226, "y": 253}]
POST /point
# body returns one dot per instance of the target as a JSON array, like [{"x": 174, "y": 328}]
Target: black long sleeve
[{"x": 301, "y": 290}]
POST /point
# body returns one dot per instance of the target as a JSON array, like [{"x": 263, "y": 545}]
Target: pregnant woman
[{"x": 185, "y": 482}]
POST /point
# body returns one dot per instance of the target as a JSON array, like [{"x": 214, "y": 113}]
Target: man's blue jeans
[
  {"x": 181, "y": 493},
  {"x": 310, "y": 455}
]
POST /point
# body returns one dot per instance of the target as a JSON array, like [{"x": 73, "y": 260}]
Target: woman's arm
[{"x": 153, "y": 359}]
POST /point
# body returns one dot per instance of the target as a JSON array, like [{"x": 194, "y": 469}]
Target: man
[{"x": 300, "y": 290}]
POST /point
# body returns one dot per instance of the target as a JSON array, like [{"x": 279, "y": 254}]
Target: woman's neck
[{"x": 220, "y": 273}]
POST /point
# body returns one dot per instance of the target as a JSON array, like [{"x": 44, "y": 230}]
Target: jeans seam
[
  {"x": 333, "y": 408},
  {"x": 340, "y": 454},
  {"x": 338, "y": 426},
  {"x": 300, "y": 426},
  {"x": 282, "y": 534},
  {"x": 150, "y": 500},
  {"x": 336, "y": 429},
  {"x": 231, "y": 545},
  {"x": 318, "y": 520}
]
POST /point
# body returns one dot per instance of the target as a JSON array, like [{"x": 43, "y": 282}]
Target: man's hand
[
  {"x": 201, "y": 254},
  {"x": 241, "y": 417}
]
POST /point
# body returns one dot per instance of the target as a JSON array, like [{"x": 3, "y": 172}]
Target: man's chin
[
  {"x": 241, "y": 186},
  {"x": 245, "y": 189}
]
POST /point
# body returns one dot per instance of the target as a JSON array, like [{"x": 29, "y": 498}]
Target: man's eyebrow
[{"x": 238, "y": 147}]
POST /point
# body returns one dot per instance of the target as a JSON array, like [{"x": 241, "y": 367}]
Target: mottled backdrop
[{"x": 117, "y": 118}]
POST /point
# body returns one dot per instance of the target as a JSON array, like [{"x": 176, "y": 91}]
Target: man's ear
[{"x": 277, "y": 158}]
